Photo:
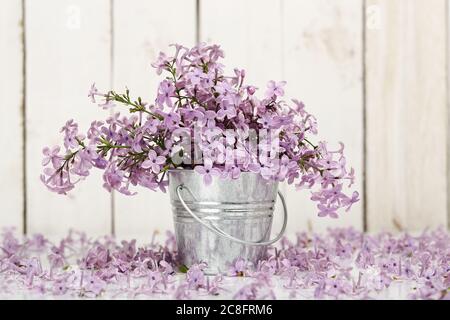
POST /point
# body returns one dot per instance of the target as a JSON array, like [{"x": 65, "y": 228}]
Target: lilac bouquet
[{"x": 206, "y": 121}]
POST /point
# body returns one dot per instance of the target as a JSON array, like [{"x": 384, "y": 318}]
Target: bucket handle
[{"x": 222, "y": 233}]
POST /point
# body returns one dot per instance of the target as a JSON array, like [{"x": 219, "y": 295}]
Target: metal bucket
[{"x": 223, "y": 221}]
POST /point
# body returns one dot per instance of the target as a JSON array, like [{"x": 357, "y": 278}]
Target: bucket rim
[{"x": 192, "y": 171}]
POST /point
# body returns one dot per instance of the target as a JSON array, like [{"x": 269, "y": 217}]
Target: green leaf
[{"x": 183, "y": 268}]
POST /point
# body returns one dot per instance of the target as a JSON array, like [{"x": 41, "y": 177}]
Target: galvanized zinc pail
[{"x": 223, "y": 221}]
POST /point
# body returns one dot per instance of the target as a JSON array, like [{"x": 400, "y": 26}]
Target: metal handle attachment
[{"x": 222, "y": 233}]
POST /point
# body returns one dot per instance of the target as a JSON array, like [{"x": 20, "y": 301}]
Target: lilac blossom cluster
[
  {"x": 199, "y": 110},
  {"x": 341, "y": 264}
]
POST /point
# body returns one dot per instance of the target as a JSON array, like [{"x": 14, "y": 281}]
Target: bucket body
[{"x": 242, "y": 208}]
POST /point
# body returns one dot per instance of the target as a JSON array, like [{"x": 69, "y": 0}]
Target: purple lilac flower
[
  {"x": 94, "y": 284},
  {"x": 56, "y": 259},
  {"x": 155, "y": 278},
  {"x": 249, "y": 292},
  {"x": 165, "y": 93},
  {"x": 171, "y": 120},
  {"x": 320, "y": 263},
  {"x": 154, "y": 162},
  {"x": 161, "y": 63},
  {"x": 107, "y": 104},
  {"x": 59, "y": 288},
  {"x": 240, "y": 268},
  {"x": 195, "y": 277},
  {"x": 207, "y": 171},
  {"x": 197, "y": 93},
  {"x": 52, "y": 156},
  {"x": 275, "y": 89}
]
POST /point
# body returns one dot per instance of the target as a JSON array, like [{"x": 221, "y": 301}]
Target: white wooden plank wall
[
  {"x": 407, "y": 115},
  {"x": 67, "y": 48},
  {"x": 374, "y": 72},
  {"x": 11, "y": 103}
]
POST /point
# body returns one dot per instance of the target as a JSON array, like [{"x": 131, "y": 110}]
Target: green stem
[
  {"x": 310, "y": 143},
  {"x": 138, "y": 105}
]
